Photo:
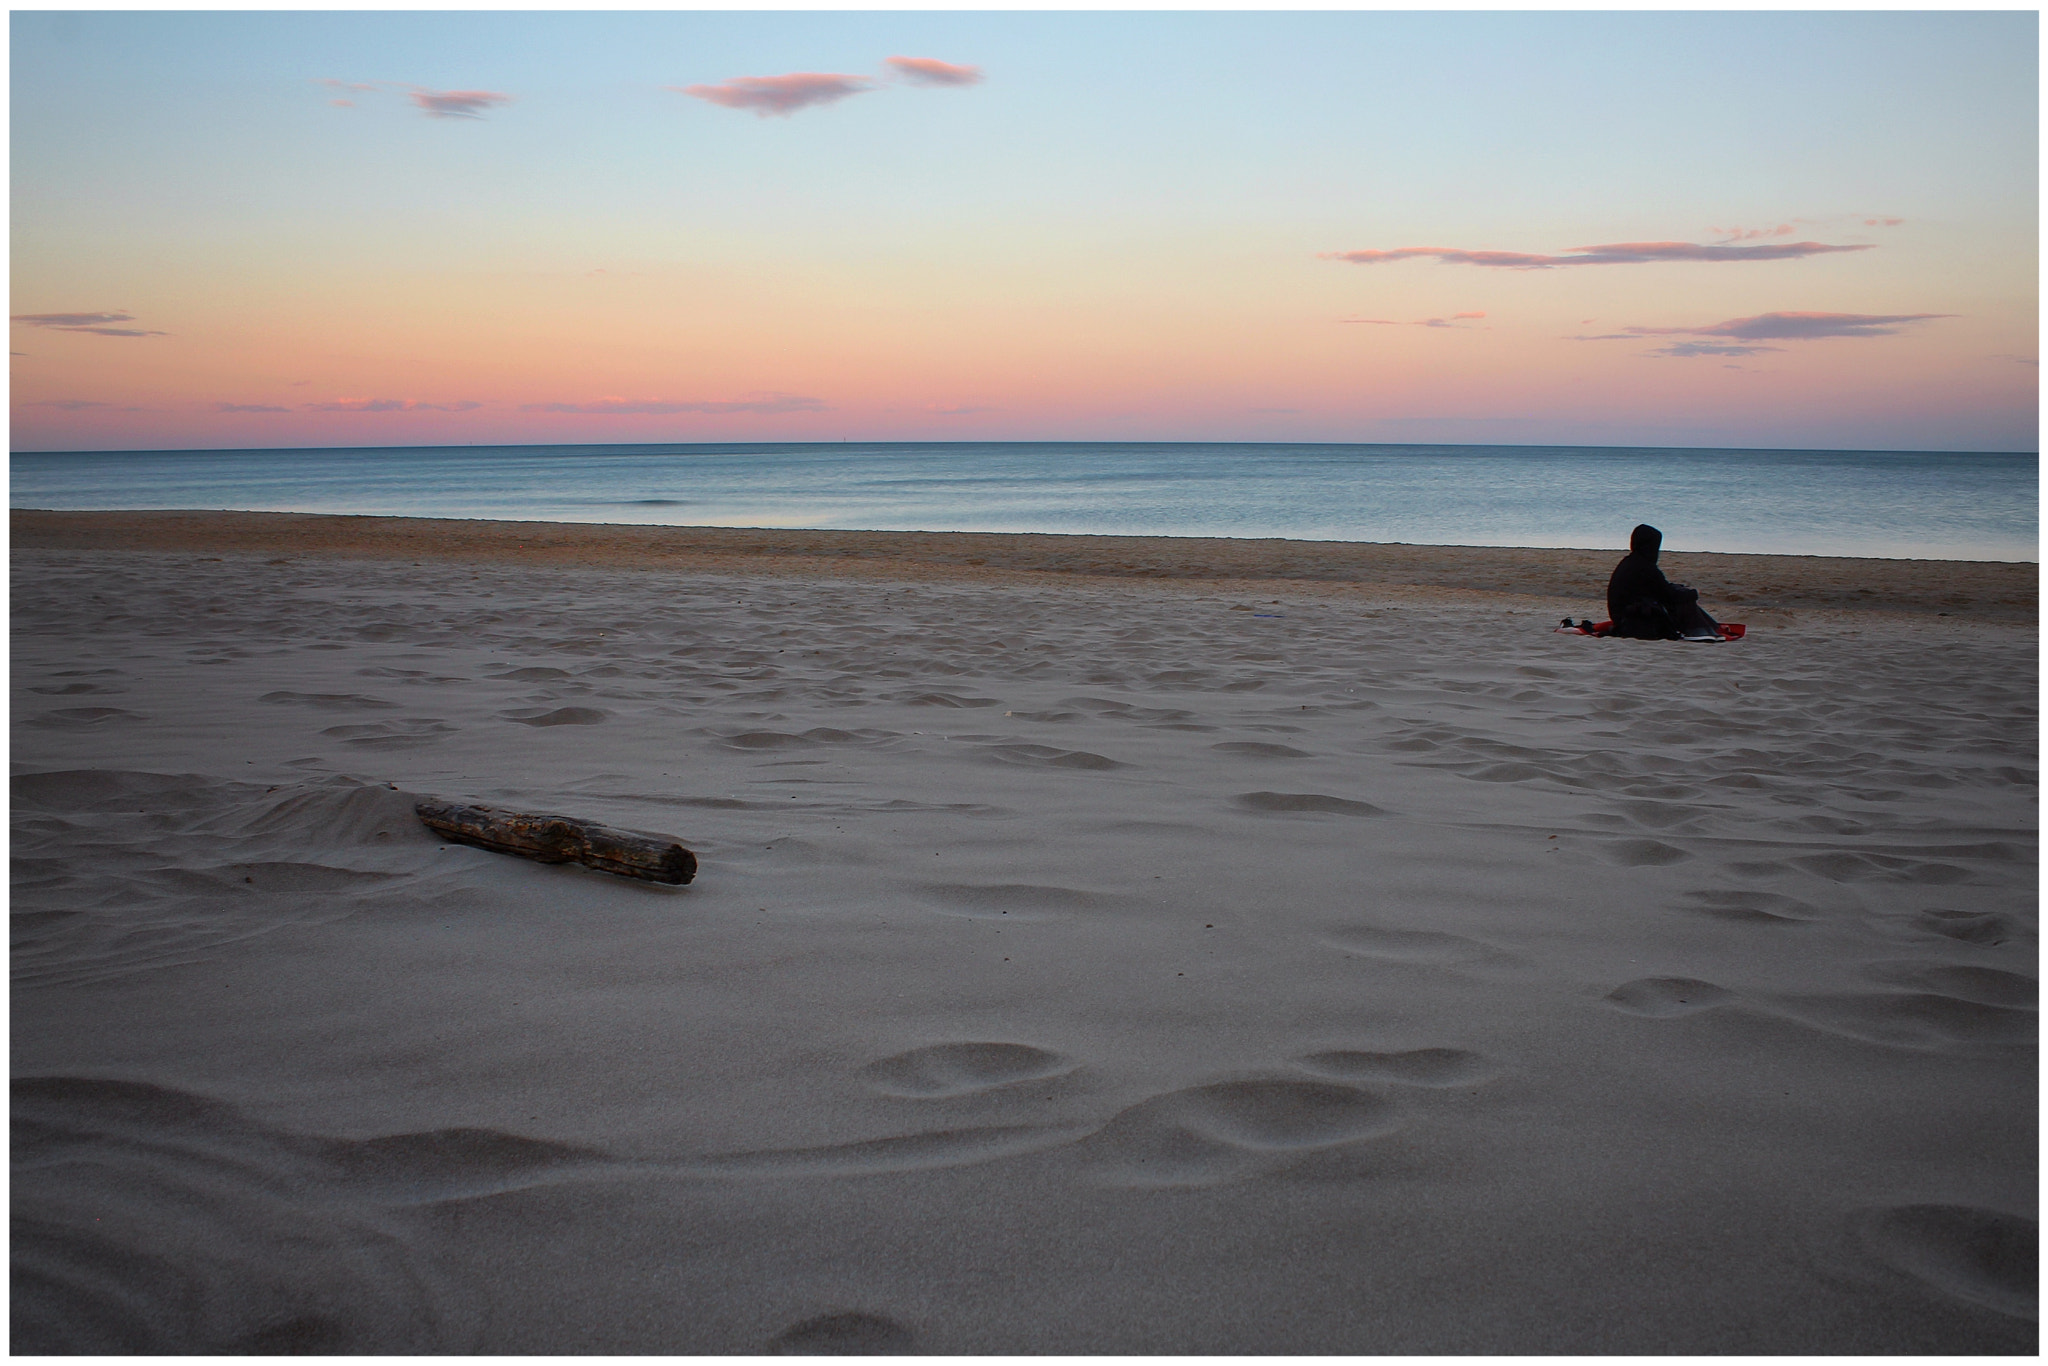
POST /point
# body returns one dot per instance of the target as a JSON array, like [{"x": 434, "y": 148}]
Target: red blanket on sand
[{"x": 1730, "y": 630}]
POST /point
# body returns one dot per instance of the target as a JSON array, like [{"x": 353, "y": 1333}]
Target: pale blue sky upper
[
  {"x": 1107, "y": 159},
  {"x": 1519, "y": 130}
]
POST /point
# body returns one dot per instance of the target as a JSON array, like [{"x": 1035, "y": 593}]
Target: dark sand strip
[{"x": 1734, "y": 585}]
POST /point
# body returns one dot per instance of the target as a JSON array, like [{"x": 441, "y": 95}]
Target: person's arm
[{"x": 1673, "y": 594}]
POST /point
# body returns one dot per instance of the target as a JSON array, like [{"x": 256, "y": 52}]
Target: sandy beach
[{"x": 1101, "y": 945}]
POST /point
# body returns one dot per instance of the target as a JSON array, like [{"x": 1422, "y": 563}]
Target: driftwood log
[{"x": 560, "y": 839}]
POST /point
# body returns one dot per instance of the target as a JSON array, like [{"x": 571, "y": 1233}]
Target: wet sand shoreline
[{"x": 1734, "y": 586}]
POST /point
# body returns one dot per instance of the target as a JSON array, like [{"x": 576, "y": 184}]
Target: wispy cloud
[
  {"x": 1728, "y": 235},
  {"x": 387, "y": 405},
  {"x": 1610, "y": 254},
  {"x": 779, "y": 95},
  {"x": 1882, "y": 222},
  {"x": 438, "y": 104},
  {"x": 932, "y": 71},
  {"x": 1451, "y": 321},
  {"x": 457, "y": 104},
  {"x": 87, "y": 322},
  {"x": 755, "y": 403},
  {"x": 1742, "y": 333},
  {"x": 1684, "y": 349},
  {"x": 1795, "y": 326},
  {"x": 248, "y": 408},
  {"x": 69, "y": 405}
]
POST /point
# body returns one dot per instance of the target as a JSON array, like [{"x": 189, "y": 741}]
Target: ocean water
[{"x": 1888, "y": 504}]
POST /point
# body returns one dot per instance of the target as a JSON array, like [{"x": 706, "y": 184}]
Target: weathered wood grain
[{"x": 560, "y": 839}]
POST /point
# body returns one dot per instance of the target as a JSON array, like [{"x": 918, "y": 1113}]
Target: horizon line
[{"x": 1083, "y": 441}]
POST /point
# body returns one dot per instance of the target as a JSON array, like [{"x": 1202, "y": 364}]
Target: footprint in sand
[
  {"x": 77, "y": 718},
  {"x": 329, "y": 701},
  {"x": 1302, "y": 804},
  {"x": 1012, "y": 900},
  {"x": 1659, "y": 815},
  {"x": 1759, "y": 908},
  {"x": 1228, "y": 1131},
  {"x": 946, "y": 699},
  {"x": 956, "y": 1069},
  {"x": 1049, "y": 757},
  {"x": 407, "y": 734},
  {"x": 850, "y": 1334},
  {"x": 1511, "y": 773},
  {"x": 1969, "y": 927},
  {"x": 74, "y": 689},
  {"x": 817, "y": 735},
  {"x": 559, "y": 716},
  {"x": 1983, "y": 1256},
  {"x": 1641, "y": 853},
  {"x": 1666, "y": 997},
  {"x": 1414, "y": 1067},
  {"x": 1844, "y": 866},
  {"x": 766, "y": 739},
  {"x": 1922, "y": 1021},
  {"x": 1414, "y": 946},
  {"x": 900, "y": 1153},
  {"x": 1965, "y": 981}
]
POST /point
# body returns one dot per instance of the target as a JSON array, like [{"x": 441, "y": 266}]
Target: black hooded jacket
[{"x": 1639, "y": 598}]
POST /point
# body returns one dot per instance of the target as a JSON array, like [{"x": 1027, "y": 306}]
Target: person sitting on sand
[{"x": 1647, "y": 606}]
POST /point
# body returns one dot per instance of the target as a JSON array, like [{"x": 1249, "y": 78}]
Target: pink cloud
[
  {"x": 1451, "y": 321},
  {"x": 779, "y": 95},
  {"x": 1882, "y": 222},
  {"x": 439, "y": 104},
  {"x": 248, "y": 408},
  {"x": 457, "y": 104},
  {"x": 1680, "y": 350},
  {"x": 1743, "y": 332},
  {"x": 932, "y": 71},
  {"x": 87, "y": 322},
  {"x": 1794, "y": 326},
  {"x": 755, "y": 403},
  {"x": 1611, "y": 254},
  {"x": 1751, "y": 234},
  {"x": 389, "y": 405}
]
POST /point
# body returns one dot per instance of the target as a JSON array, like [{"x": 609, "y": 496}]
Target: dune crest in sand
[{"x": 1075, "y": 965}]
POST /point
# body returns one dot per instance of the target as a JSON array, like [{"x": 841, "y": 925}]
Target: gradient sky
[{"x": 1703, "y": 229}]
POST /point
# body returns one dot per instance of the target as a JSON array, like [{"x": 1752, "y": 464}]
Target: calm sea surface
[{"x": 1899, "y": 505}]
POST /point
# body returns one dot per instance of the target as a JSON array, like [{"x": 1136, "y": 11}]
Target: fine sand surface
[{"x": 1324, "y": 961}]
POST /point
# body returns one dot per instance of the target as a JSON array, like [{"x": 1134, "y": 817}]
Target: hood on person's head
[{"x": 1645, "y": 541}]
